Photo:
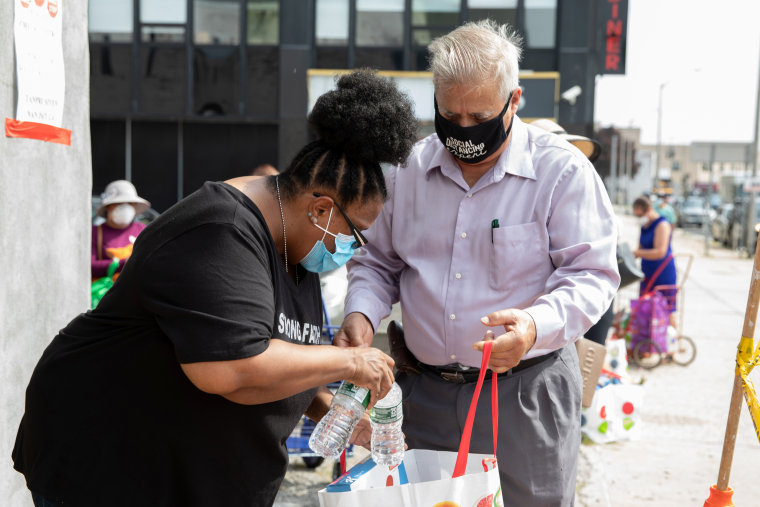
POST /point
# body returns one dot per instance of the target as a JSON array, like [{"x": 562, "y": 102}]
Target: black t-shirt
[{"x": 110, "y": 417}]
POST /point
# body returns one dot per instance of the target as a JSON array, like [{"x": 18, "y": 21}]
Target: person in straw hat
[{"x": 114, "y": 238}]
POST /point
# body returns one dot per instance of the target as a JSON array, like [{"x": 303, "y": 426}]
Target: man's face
[{"x": 471, "y": 104}]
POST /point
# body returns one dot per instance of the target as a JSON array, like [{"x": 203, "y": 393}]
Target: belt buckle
[{"x": 454, "y": 377}]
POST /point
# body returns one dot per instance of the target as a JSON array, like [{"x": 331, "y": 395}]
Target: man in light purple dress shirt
[{"x": 494, "y": 230}]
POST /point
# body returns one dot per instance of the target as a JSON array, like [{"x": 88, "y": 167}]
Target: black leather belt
[{"x": 458, "y": 375}]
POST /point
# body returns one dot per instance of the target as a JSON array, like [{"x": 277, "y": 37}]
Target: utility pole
[
  {"x": 659, "y": 137},
  {"x": 613, "y": 168},
  {"x": 629, "y": 162},
  {"x": 753, "y": 151}
]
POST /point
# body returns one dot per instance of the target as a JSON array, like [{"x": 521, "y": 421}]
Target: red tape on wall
[{"x": 39, "y": 131}]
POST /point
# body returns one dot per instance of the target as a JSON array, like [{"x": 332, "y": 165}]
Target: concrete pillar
[{"x": 45, "y": 240}]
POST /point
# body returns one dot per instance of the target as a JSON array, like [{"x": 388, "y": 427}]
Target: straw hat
[
  {"x": 590, "y": 147},
  {"x": 118, "y": 192}
]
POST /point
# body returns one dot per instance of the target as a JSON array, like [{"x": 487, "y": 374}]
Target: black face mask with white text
[{"x": 476, "y": 143}]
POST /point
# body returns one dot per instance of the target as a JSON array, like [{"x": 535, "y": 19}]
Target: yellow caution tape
[{"x": 746, "y": 360}]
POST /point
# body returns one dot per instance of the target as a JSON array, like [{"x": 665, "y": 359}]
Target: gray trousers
[{"x": 539, "y": 426}]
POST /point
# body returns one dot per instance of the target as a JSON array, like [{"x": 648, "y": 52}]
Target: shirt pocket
[{"x": 517, "y": 259}]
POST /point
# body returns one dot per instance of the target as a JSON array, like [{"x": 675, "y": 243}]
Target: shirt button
[
  {"x": 469, "y": 196},
  {"x": 463, "y": 235},
  {"x": 452, "y": 316},
  {"x": 453, "y": 356},
  {"x": 458, "y": 276}
]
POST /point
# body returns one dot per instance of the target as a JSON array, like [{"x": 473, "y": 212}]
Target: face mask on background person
[
  {"x": 123, "y": 214},
  {"x": 642, "y": 220},
  {"x": 476, "y": 143},
  {"x": 319, "y": 258}
]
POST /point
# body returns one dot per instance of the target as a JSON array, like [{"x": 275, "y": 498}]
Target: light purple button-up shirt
[{"x": 435, "y": 249}]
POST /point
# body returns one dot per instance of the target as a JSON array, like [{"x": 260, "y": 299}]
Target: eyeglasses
[{"x": 358, "y": 236}]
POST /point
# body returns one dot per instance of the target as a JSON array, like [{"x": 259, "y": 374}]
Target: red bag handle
[
  {"x": 657, "y": 273},
  {"x": 464, "y": 444}
]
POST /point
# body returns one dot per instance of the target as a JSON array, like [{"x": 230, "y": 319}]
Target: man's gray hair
[{"x": 477, "y": 52}]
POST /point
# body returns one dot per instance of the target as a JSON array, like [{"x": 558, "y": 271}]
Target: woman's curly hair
[{"x": 362, "y": 123}]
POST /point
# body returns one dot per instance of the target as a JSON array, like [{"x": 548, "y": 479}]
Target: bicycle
[{"x": 678, "y": 348}]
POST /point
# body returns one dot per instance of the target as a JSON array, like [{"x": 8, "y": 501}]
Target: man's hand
[
  {"x": 362, "y": 434},
  {"x": 518, "y": 337},
  {"x": 356, "y": 331},
  {"x": 373, "y": 369}
]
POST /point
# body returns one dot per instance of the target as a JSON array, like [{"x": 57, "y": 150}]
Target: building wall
[{"x": 44, "y": 231}]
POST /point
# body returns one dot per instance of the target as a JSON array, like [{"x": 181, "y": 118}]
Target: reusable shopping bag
[
  {"x": 427, "y": 478},
  {"x": 100, "y": 286},
  {"x": 614, "y": 414},
  {"x": 650, "y": 316}
]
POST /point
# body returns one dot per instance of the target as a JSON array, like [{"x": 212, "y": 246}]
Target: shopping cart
[
  {"x": 675, "y": 347},
  {"x": 298, "y": 441}
]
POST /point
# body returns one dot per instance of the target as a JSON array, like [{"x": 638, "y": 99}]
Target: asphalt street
[{"x": 684, "y": 412}]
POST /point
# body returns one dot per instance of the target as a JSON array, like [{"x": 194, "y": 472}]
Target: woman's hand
[{"x": 373, "y": 369}]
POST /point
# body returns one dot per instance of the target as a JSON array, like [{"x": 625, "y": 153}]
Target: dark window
[
  {"x": 162, "y": 79},
  {"x": 435, "y": 12},
  {"x": 108, "y": 153},
  {"x": 263, "y": 22},
  {"x": 380, "y": 23},
  {"x": 380, "y": 58},
  {"x": 331, "y": 23},
  {"x": 163, "y": 11},
  {"x": 216, "y": 21},
  {"x": 501, "y": 11},
  {"x": 540, "y": 23},
  {"x": 331, "y": 57},
  {"x": 539, "y": 59},
  {"x": 110, "y": 75},
  {"x": 219, "y": 151},
  {"x": 154, "y": 162},
  {"x": 216, "y": 75},
  {"x": 110, "y": 20},
  {"x": 262, "y": 71}
]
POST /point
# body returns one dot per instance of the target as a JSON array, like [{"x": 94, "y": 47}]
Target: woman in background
[
  {"x": 654, "y": 249},
  {"x": 114, "y": 238}
]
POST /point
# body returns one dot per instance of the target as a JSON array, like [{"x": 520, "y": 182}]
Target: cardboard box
[{"x": 590, "y": 359}]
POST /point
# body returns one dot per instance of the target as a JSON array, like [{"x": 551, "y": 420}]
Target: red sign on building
[{"x": 613, "y": 29}]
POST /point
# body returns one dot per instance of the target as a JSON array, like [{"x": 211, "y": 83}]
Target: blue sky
[{"x": 706, "y": 51}]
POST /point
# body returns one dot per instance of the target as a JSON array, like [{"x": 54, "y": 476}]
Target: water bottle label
[
  {"x": 360, "y": 394},
  {"x": 386, "y": 415}
]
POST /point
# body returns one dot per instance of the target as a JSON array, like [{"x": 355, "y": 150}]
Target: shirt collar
[{"x": 515, "y": 159}]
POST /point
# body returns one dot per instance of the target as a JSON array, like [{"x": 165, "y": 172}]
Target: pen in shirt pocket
[{"x": 494, "y": 225}]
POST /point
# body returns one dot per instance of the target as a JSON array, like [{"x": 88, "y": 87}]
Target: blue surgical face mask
[{"x": 319, "y": 259}]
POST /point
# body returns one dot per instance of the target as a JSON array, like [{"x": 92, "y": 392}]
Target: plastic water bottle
[
  {"x": 331, "y": 435},
  {"x": 386, "y": 418}
]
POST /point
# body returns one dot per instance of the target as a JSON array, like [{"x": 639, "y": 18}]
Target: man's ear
[{"x": 516, "y": 96}]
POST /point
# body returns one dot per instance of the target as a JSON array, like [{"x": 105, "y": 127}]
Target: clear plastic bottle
[
  {"x": 331, "y": 435},
  {"x": 386, "y": 418}
]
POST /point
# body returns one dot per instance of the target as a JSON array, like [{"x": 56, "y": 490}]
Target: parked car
[
  {"x": 692, "y": 212},
  {"x": 720, "y": 225}
]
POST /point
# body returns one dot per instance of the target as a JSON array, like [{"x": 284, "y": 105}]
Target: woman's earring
[{"x": 312, "y": 217}]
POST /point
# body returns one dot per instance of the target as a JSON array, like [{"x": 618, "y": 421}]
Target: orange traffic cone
[{"x": 719, "y": 498}]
